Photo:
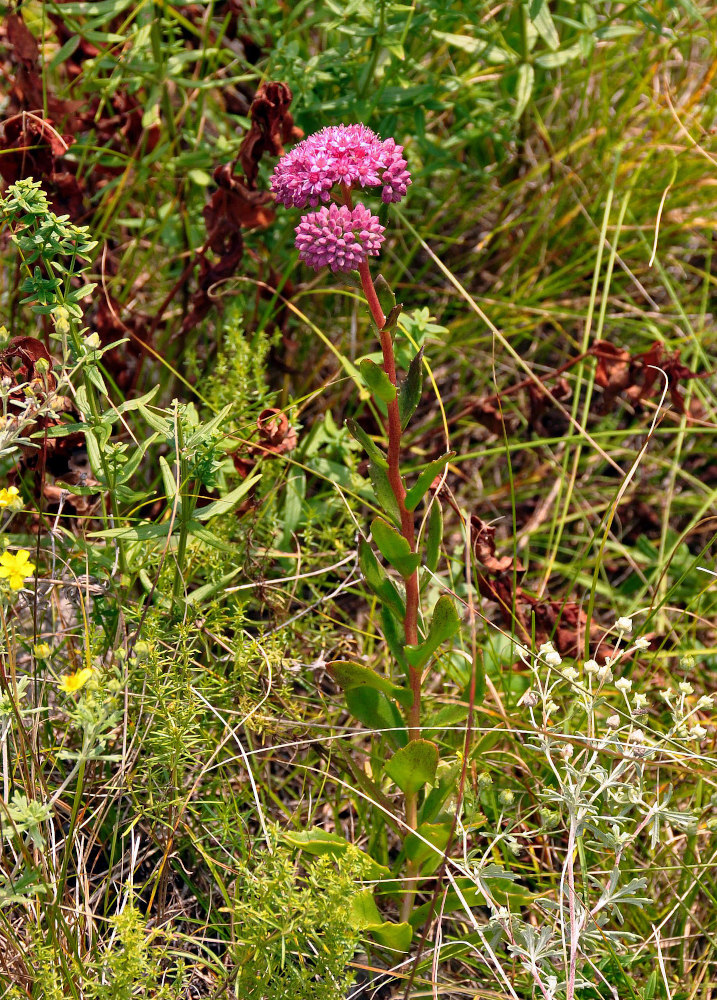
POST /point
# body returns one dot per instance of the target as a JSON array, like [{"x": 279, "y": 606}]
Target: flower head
[
  {"x": 10, "y": 497},
  {"x": 16, "y": 567},
  {"x": 73, "y": 682},
  {"x": 551, "y": 656},
  {"x": 338, "y": 237},
  {"x": 352, "y": 155}
]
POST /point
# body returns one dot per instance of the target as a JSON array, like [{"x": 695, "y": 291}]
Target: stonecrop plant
[
  {"x": 586, "y": 731},
  {"x": 335, "y": 163}
]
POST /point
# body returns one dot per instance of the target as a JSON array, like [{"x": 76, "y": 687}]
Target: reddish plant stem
[
  {"x": 410, "y": 624},
  {"x": 399, "y": 491}
]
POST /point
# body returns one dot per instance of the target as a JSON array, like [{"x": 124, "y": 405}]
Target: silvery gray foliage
[{"x": 597, "y": 738}]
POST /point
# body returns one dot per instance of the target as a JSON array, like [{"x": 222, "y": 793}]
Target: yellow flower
[
  {"x": 10, "y": 497},
  {"x": 16, "y": 567},
  {"x": 73, "y": 682},
  {"x": 41, "y": 650}
]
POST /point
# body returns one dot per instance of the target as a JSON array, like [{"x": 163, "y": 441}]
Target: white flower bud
[
  {"x": 624, "y": 624},
  {"x": 642, "y": 643},
  {"x": 685, "y": 687},
  {"x": 591, "y": 666},
  {"x": 624, "y": 684}
]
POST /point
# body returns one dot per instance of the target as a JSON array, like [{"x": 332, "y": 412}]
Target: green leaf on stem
[
  {"x": 425, "y": 478},
  {"x": 434, "y": 537},
  {"x": 413, "y": 766},
  {"x": 170, "y": 483},
  {"x": 393, "y": 634},
  {"x": 227, "y": 503},
  {"x": 385, "y": 295},
  {"x": 427, "y": 855},
  {"x": 444, "y": 623},
  {"x": 384, "y": 494},
  {"x": 374, "y": 709},
  {"x": 377, "y": 380},
  {"x": 365, "y": 917},
  {"x": 322, "y": 842},
  {"x": 378, "y": 582},
  {"x": 349, "y": 675},
  {"x": 394, "y": 547},
  {"x": 409, "y": 395},
  {"x": 392, "y": 318},
  {"x": 371, "y": 449}
]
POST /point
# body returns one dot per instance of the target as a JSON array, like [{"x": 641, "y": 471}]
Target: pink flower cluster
[
  {"x": 351, "y": 155},
  {"x": 338, "y": 237}
]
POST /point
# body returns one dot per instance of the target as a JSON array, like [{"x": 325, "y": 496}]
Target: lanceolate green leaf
[
  {"x": 393, "y": 634},
  {"x": 434, "y": 537},
  {"x": 545, "y": 26},
  {"x": 385, "y": 295},
  {"x": 371, "y": 448},
  {"x": 384, "y": 494},
  {"x": 409, "y": 395},
  {"x": 425, "y": 478},
  {"x": 353, "y": 675},
  {"x": 392, "y": 318},
  {"x": 378, "y": 582},
  {"x": 394, "y": 547},
  {"x": 377, "y": 380},
  {"x": 444, "y": 623},
  {"x": 225, "y": 504}
]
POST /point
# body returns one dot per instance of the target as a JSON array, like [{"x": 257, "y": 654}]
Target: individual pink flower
[
  {"x": 352, "y": 155},
  {"x": 338, "y": 237}
]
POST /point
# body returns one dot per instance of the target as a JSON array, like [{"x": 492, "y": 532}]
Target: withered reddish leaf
[
  {"x": 486, "y": 412},
  {"x": 639, "y": 376},
  {"x": 29, "y": 146},
  {"x": 483, "y": 539},
  {"x": 566, "y": 624},
  {"x": 113, "y": 322},
  {"x": 22, "y": 40},
  {"x": 234, "y": 205},
  {"x": 28, "y": 350},
  {"x": 231, "y": 207},
  {"x": 613, "y": 371},
  {"x": 68, "y": 195},
  {"x": 652, "y": 360},
  {"x": 271, "y": 126},
  {"x": 540, "y": 397},
  {"x": 275, "y": 432}
]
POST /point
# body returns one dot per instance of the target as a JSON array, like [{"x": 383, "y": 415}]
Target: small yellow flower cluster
[
  {"x": 15, "y": 567},
  {"x": 10, "y": 497}
]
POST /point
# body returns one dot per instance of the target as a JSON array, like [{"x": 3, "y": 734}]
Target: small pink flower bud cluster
[
  {"x": 338, "y": 237},
  {"x": 350, "y": 156}
]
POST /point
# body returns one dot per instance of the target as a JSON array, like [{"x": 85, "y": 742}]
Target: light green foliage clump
[
  {"x": 125, "y": 965},
  {"x": 238, "y": 375},
  {"x": 294, "y": 927}
]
